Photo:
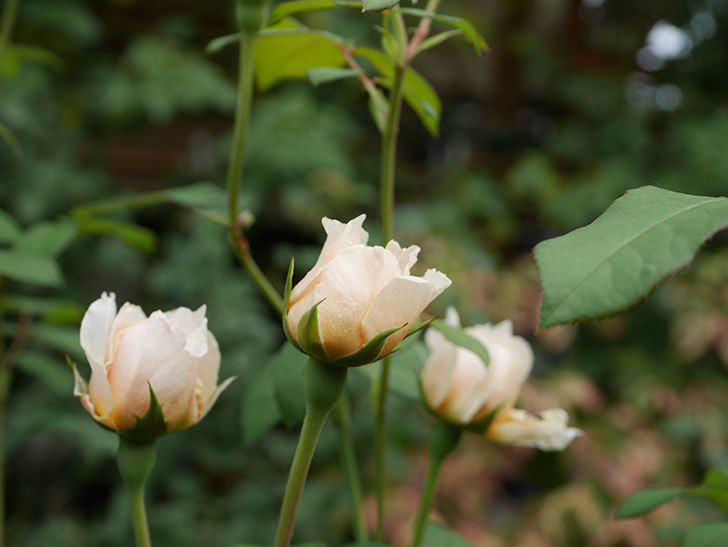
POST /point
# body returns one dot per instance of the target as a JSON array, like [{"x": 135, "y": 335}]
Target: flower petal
[
  {"x": 95, "y": 331},
  {"x": 467, "y": 392},
  {"x": 511, "y": 359},
  {"x": 152, "y": 352},
  {"x": 212, "y": 400},
  {"x": 349, "y": 284},
  {"x": 405, "y": 257},
  {"x": 546, "y": 430},
  {"x": 208, "y": 368},
  {"x": 339, "y": 236},
  {"x": 193, "y": 325},
  {"x": 401, "y": 302},
  {"x": 438, "y": 370}
]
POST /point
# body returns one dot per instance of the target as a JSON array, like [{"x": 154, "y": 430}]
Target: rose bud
[
  {"x": 149, "y": 375},
  {"x": 358, "y": 302},
  {"x": 461, "y": 389}
]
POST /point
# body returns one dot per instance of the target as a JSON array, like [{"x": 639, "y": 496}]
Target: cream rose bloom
[
  {"x": 462, "y": 389},
  {"x": 364, "y": 291},
  {"x": 128, "y": 352}
]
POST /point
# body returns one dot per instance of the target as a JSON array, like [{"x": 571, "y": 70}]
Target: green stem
[
  {"x": 389, "y": 158},
  {"x": 324, "y": 385},
  {"x": 348, "y": 460},
  {"x": 235, "y": 170},
  {"x": 443, "y": 440},
  {"x": 10, "y": 12},
  {"x": 135, "y": 461}
]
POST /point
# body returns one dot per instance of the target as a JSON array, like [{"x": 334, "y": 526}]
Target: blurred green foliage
[{"x": 537, "y": 137}]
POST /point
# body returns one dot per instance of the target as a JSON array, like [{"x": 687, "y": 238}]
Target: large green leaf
[
  {"x": 37, "y": 270},
  {"x": 137, "y": 236},
  {"x": 645, "y": 501},
  {"x": 288, "y": 50},
  {"x": 605, "y": 267},
  {"x": 715, "y": 488},
  {"x": 711, "y": 534},
  {"x": 260, "y": 408},
  {"x": 47, "y": 238},
  {"x": 9, "y": 229}
]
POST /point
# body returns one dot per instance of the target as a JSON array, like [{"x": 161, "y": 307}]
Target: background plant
[{"x": 537, "y": 138}]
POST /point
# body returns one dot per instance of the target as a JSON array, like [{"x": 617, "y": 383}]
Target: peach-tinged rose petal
[
  {"x": 546, "y": 430},
  {"x": 152, "y": 352},
  {"x": 348, "y": 285},
  {"x": 339, "y": 236},
  {"x": 208, "y": 368},
  {"x": 400, "y": 303},
  {"x": 95, "y": 330}
]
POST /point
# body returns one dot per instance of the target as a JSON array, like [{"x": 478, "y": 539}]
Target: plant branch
[
  {"x": 421, "y": 32},
  {"x": 235, "y": 170}
]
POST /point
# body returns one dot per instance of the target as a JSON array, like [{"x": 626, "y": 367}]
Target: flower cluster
[{"x": 459, "y": 387}]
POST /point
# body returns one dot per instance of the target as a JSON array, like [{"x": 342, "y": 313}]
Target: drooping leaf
[
  {"x": 288, "y": 50},
  {"x": 471, "y": 35},
  {"x": 437, "y": 536},
  {"x": 47, "y": 238},
  {"x": 259, "y": 411},
  {"x": 605, "y": 267},
  {"x": 418, "y": 93},
  {"x": 711, "y": 534},
  {"x": 143, "y": 239},
  {"x": 645, "y": 501},
  {"x": 378, "y": 108},
  {"x": 378, "y": 5},
  {"x": 289, "y": 365},
  {"x": 326, "y": 74},
  {"x": 459, "y": 337},
  {"x": 37, "y": 270}
]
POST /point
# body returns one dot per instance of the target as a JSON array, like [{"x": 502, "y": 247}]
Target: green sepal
[
  {"x": 151, "y": 425},
  {"x": 286, "y": 298},
  {"x": 370, "y": 352},
  {"x": 418, "y": 328},
  {"x": 459, "y": 337},
  {"x": 309, "y": 336}
]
